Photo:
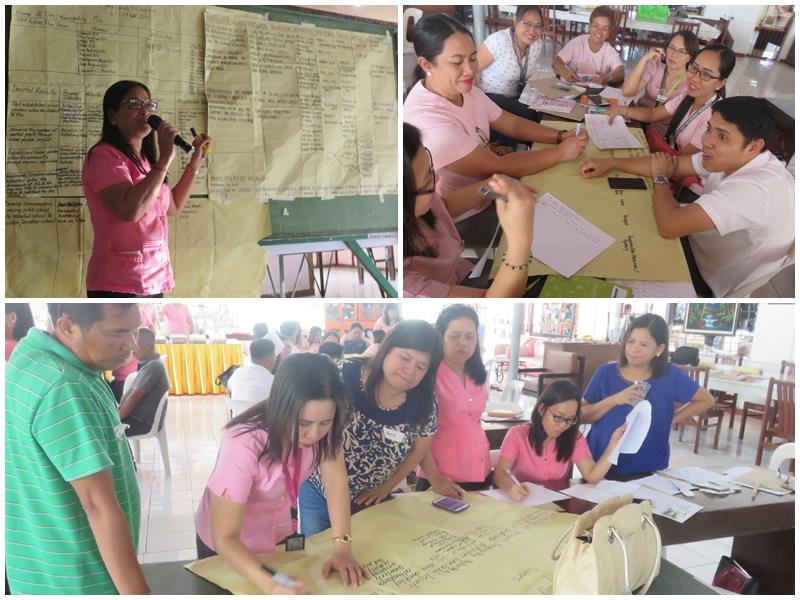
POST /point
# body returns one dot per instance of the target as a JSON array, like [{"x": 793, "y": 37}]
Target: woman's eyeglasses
[
  {"x": 677, "y": 50},
  {"x": 559, "y": 420},
  {"x": 136, "y": 104},
  {"x": 529, "y": 25},
  {"x": 431, "y": 176},
  {"x": 704, "y": 75}
]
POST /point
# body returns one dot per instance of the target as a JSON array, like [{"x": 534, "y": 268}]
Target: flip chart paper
[{"x": 411, "y": 547}]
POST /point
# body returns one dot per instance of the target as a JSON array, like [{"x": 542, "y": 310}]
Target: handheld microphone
[{"x": 155, "y": 121}]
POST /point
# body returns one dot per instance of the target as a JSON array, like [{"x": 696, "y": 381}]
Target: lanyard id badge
[
  {"x": 393, "y": 435},
  {"x": 664, "y": 95},
  {"x": 295, "y": 541}
]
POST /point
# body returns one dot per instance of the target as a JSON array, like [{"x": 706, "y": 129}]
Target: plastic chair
[
  {"x": 155, "y": 432},
  {"x": 782, "y": 453}
]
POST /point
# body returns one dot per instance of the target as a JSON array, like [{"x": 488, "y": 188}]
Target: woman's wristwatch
[{"x": 663, "y": 180}]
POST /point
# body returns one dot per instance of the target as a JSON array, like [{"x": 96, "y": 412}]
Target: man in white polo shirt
[
  {"x": 250, "y": 384},
  {"x": 741, "y": 229}
]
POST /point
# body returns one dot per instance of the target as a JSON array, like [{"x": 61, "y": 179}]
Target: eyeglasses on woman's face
[
  {"x": 676, "y": 50},
  {"x": 137, "y": 104},
  {"x": 559, "y": 420},
  {"x": 694, "y": 69},
  {"x": 526, "y": 24}
]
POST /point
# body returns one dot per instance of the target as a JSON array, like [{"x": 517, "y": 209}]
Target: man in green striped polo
[{"x": 72, "y": 499}]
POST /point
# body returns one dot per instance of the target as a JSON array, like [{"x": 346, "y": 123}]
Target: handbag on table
[{"x": 615, "y": 548}]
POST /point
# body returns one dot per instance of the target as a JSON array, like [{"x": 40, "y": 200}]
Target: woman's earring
[{"x": 428, "y": 73}]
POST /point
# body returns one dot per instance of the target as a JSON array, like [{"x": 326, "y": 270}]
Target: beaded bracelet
[
  {"x": 517, "y": 267},
  {"x": 560, "y": 135}
]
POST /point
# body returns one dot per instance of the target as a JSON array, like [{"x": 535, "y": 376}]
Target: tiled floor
[{"x": 194, "y": 424}]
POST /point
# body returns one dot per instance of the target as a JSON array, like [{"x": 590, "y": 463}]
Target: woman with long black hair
[{"x": 124, "y": 180}]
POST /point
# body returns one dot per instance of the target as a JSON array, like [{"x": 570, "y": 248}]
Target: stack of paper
[
  {"x": 701, "y": 478},
  {"x": 537, "y": 495},
  {"x": 610, "y": 137},
  {"x": 563, "y": 239},
  {"x": 766, "y": 480}
]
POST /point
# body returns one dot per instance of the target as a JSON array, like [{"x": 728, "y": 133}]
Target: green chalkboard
[{"x": 356, "y": 215}]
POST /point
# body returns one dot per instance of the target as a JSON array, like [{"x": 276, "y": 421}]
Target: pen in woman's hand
[{"x": 488, "y": 192}]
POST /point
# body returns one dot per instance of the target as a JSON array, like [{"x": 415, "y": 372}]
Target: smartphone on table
[
  {"x": 450, "y": 504},
  {"x": 626, "y": 183}
]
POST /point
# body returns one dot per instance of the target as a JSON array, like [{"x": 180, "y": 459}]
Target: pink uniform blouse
[
  {"x": 529, "y": 466},
  {"x": 130, "y": 258},
  {"x": 459, "y": 446},
  {"x": 432, "y": 276},
  {"x": 578, "y": 57},
  {"x": 693, "y": 133},
  {"x": 261, "y": 487},
  {"x": 451, "y": 132},
  {"x": 653, "y": 73},
  {"x": 178, "y": 319}
]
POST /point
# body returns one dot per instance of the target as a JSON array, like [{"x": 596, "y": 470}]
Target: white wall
[
  {"x": 742, "y": 27},
  {"x": 787, "y": 41},
  {"x": 773, "y": 337}
]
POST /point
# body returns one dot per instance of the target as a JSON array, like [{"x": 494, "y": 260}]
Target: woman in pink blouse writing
[
  {"x": 128, "y": 198},
  {"x": 546, "y": 448},
  {"x": 249, "y": 505},
  {"x": 458, "y": 458}
]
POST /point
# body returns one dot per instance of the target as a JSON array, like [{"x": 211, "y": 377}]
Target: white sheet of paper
[
  {"x": 602, "y": 490},
  {"x": 563, "y": 239},
  {"x": 658, "y": 289},
  {"x": 616, "y": 93},
  {"x": 675, "y": 509},
  {"x": 665, "y": 485},
  {"x": 610, "y": 137},
  {"x": 538, "y": 495},
  {"x": 638, "y": 421},
  {"x": 478, "y": 268}
]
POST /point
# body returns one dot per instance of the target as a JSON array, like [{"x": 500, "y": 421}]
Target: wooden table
[
  {"x": 171, "y": 578},
  {"x": 762, "y": 531}
]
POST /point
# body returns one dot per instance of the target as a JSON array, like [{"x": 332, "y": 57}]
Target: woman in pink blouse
[
  {"x": 128, "y": 198},
  {"x": 546, "y": 448},
  {"x": 249, "y": 505},
  {"x": 689, "y": 116},
  {"x": 661, "y": 74},
  {"x": 456, "y": 118},
  {"x": 432, "y": 263},
  {"x": 458, "y": 458}
]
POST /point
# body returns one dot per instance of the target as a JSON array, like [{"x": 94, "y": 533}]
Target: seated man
[
  {"x": 355, "y": 342},
  {"x": 138, "y": 407},
  {"x": 741, "y": 229},
  {"x": 250, "y": 384}
]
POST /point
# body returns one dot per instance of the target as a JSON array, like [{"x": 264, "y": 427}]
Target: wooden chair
[
  {"x": 558, "y": 364},
  {"x": 780, "y": 423},
  {"x": 679, "y": 25},
  {"x": 787, "y": 370},
  {"x": 702, "y": 422},
  {"x": 728, "y": 359},
  {"x": 624, "y": 36},
  {"x": 494, "y": 22},
  {"x": 755, "y": 409},
  {"x": 549, "y": 30},
  {"x": 726, "y": 402},
  {"x": 696, "y": 374}
]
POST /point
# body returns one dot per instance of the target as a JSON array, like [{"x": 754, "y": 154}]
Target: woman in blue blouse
[
  {"x": 617, "y": 386},
  {"x": 392, "y": 421}
]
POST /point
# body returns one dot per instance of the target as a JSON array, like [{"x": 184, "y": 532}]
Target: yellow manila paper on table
[
  {"x": 412, "y": 547},
  {"x": 638, "y": 252}
]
